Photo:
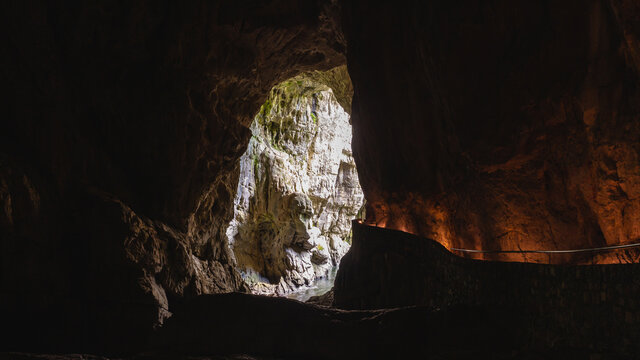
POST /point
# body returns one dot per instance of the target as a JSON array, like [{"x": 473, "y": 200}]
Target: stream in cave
[{"x": 320, "y": 287}]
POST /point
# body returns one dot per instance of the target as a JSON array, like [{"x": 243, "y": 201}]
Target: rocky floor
[{"x": 222, "y": 326}]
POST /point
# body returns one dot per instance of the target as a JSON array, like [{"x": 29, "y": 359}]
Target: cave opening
[{"x": 298, "y": 188}]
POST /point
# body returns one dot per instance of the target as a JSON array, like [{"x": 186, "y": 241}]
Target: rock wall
[
  {"x": 122, "y": 128},
  {"x": 506, "y": 125},
  {"x": 298, "y": 188},
  {"x": 571, "y": 304}
]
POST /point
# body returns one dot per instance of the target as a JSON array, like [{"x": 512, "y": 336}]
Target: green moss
[
  {"x": 320, "y": 247},
  {"x": 267, "y": 223},
  {"x": 256, "y": 164},
  {"x": 349, "y": 236},
  {"x": 265, "y": 109},
  {"x": 278, "y": 114}
]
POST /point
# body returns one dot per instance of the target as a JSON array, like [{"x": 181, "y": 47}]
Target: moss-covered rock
[{"x": 298, "y": 187}]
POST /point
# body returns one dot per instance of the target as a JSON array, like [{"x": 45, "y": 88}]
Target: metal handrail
[
  {"x": 548, "y": 252},
  {"x": 604, "y": 248}
]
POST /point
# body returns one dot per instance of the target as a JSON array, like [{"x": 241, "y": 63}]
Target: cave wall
[
  {"x": 122, "y": 128},
  {"x": 590, "y": 307},
  {"x": 498, "y": 124}
]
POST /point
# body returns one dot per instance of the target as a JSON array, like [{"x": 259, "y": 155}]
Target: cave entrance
[{"x": 298, "y": 188}]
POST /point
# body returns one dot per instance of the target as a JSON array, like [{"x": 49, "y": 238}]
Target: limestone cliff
[{"x": 298, "y": 189}]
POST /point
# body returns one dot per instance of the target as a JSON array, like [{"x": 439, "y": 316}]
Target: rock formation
[
  {"x": 511, "y": 126},
  {"x": 120, "y": 142},
  {"x": 298, "y": 188}
]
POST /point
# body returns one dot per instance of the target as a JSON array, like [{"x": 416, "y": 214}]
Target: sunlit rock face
[
  {"x": 515, "y": 129},
  {"x": 298, "y": 189}
]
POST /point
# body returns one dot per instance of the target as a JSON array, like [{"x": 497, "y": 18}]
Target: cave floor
[{"x": 220, "y": 326}]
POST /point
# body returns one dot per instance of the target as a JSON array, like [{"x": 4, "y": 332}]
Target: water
[{"x": 319, "y": 287}]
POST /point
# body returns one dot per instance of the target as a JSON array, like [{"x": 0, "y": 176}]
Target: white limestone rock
[{"x": 298, "y": 189}]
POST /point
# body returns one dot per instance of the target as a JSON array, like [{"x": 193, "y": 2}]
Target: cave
[
  {"x": 497, "y": 146},
  {"x": 298, "y": 188}
]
